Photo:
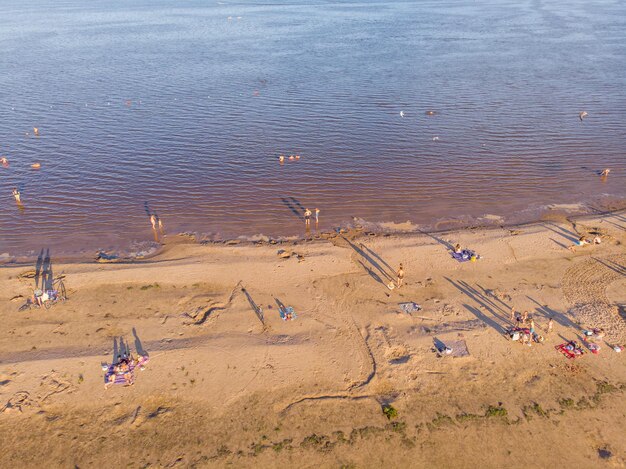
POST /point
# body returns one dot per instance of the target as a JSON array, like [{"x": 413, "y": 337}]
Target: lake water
[{"x": 182, "y": 108}]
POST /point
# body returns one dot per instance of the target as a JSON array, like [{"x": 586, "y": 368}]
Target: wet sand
[{"x": 228, "y": 385}]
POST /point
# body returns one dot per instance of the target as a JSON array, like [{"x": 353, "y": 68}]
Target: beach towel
[
  {"x": 287, "y": 314},
  {"x": 465, "y": 255},
  {"x": 409, "y": 307},
  {"x": 570, "y": 350},
  {"x": 452, "y": 348},
  {"x": 119, "y": 378},
  {"x": 593, "y": 348}
]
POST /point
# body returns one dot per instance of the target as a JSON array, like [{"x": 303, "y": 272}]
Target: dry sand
[{"x": 224, "y": 388}]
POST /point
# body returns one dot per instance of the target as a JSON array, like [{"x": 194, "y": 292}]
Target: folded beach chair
[
  {"x": 287, "y": 314},
  {"x": 409, "y": 307}
]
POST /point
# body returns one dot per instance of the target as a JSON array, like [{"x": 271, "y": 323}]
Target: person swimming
[
  {"x": 605, "y": 172},
  {"x": 281, "y": 158},
  {"x": 17, "y": 195}
]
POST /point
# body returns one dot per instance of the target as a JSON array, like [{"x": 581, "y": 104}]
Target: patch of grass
[
  {"x": 81, "y": 378},
  {"x": 566, "y": 403},
  {"x": 467, "y": 417},
  {"x": 318, "y": 442},
  {"x": 535, "y": 408},
  {"x": 223, "y": 451},
  {"x": 398, "y": 427},
  {"x": 364, "y": 432},
  {"x": 147, "y": 287},
  {"x": 390, "y": 412},
  {"x": 496, "y": 411},
  {"x": 441, "y": 420},
  {"x": 129, "y": 288},
  {"x": 281, "y": 445},
  {"x": 603, "y": 387}
]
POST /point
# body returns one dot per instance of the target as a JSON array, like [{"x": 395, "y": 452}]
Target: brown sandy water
[{"x": 178, "y": 110}]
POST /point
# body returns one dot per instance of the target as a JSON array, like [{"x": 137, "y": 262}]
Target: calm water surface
[{"x": 182, "y": 108}]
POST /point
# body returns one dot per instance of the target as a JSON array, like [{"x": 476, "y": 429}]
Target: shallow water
[{"x": 171, "y": 107}]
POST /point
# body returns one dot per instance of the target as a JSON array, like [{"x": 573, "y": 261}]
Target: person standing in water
[
  {"x": 17, "y": 195},
  {"x": 307, "y": 217},
  {"x": 153, "y": 220},
  {"x": 160, "y": 225},
  {"x": 317, "y": 216},
  {"x": 400, "y": 276}
]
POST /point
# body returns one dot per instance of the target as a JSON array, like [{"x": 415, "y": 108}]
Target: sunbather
[{"x": 581, "y": 242}]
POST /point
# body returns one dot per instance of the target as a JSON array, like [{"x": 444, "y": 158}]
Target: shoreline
[{"x": 356, "y": 231}]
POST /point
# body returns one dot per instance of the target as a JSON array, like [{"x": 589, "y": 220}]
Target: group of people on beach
[
  {"x": 583, "y": 241},
  {"x": 308, "y": 214},
  {"x": 526, "y": 324}
]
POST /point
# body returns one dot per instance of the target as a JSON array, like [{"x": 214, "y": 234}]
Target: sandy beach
[{"x": 228, "y": 383}]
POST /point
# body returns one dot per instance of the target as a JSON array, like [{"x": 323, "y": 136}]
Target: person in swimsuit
[
  {"x": 550, "y": 324},
  {"x": 581, "y": 242},
  {"x": 400, "y": 276},
  {"x": 307, "y": 217},
  {"x": 317, "y": 216},
  {"x": 17, "y": 195},
  {"x": 605, "y": 172},
  {"x": 457, "y": 249},
  {"x": 153, "y": 220}
]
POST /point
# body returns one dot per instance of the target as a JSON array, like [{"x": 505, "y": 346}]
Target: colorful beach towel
[
  {"x": 465, "y": 255},
  {"x": 409, "y": 307},
  {"x": 287, "y": 314},
  {"x": 570, "y": 350},
  {"x": 119, "y": 378}
]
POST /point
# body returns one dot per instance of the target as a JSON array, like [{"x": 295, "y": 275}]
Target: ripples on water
[{"x": 213, "y": 102}]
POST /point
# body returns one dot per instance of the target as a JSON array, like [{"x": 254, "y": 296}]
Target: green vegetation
[
  {"x": 495, "y": 411},
  {"x": 390, "y": 411}
]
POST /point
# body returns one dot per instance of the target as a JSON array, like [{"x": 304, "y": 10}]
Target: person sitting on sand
[
  {"x": 524, "y": 317},
  {"x": 457, "y": 249},
  {"x": 597, "y": 240}
]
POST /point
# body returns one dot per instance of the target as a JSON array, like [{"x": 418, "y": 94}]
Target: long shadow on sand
[
  {"x": 498, "y": 317},
  {"x": 256, "y": 308}
]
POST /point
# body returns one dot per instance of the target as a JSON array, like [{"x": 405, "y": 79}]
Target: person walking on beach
[
  {"x": 550, "y": 324},
  {"x": 317, "y": 216},
  {"x": 17, "y": 195},
  {"x": 400, "y": 276},
  {"x": 532, "y": 328},
  {"x": 512, "y": 315},
  {"x": 307, "y": 217}
]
